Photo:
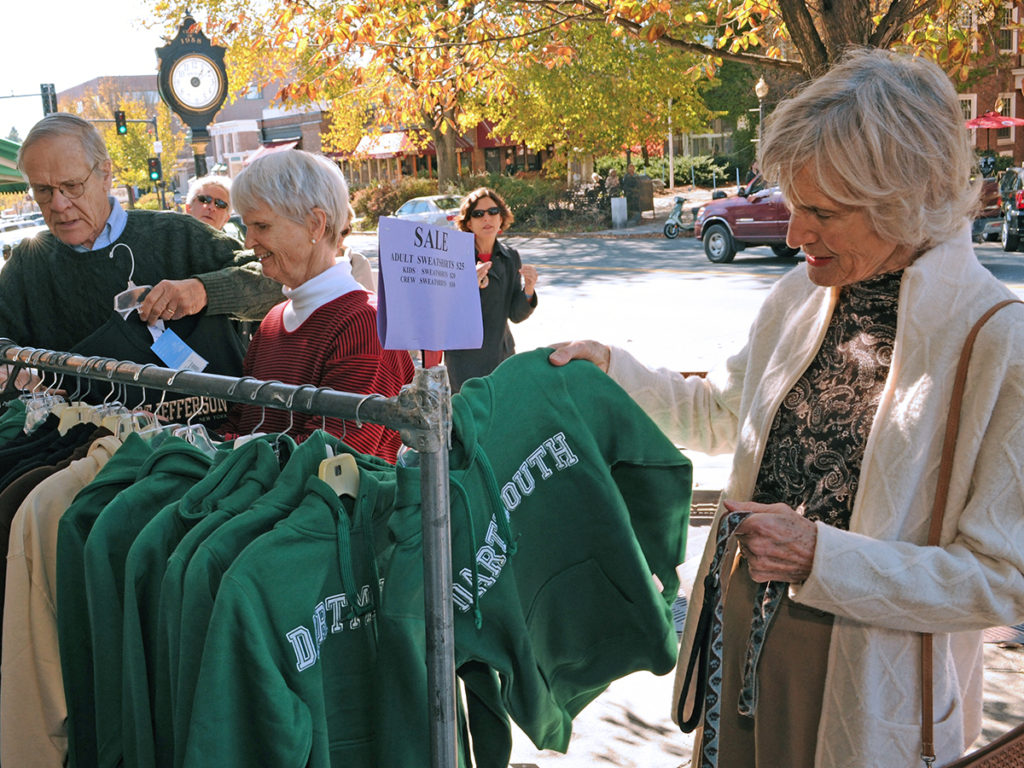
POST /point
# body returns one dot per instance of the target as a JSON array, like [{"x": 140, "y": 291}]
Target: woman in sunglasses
[
  {"x": 506, "y": 287},
  {"x": 209, "y": 200}
]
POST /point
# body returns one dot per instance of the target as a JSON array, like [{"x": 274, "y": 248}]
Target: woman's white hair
[
  {"x": 292, "y": 183},
  {"x": 881, "y": 132}
]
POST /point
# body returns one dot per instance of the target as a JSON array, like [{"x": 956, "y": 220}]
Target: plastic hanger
[
  {"x": 39, "y": 405},
  {"x": 341, "y": 474},
  {"x": 130, "y": 299},
  {"x": 196, "y": 434},
  {"x": 78, "y": 411},
  {"x": 136, "y": 419}
]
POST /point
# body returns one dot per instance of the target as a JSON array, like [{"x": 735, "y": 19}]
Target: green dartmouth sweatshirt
[{"x": 566, "y": 498}]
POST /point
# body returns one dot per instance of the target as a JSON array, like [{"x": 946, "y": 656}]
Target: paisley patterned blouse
[{"x": 816, "y": 443}]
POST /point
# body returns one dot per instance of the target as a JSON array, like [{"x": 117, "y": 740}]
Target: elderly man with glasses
[
  {"x": 57, "y": 291},
  {"x": 209, "y": 200}
]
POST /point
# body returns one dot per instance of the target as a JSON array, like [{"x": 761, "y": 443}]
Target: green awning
[{"x": 9, "y": 174}]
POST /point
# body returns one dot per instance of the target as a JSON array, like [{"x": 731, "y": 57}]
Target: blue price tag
[{"x": 177, "y": 354}]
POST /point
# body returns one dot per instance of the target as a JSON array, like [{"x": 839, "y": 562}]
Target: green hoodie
[
  {"x": 213, "y": 556},
  {"x": 289, "y": 660},
  {"x": 243, "y": 475},
  {"x": 564, "y": 503},
  {"x": 171, "y": 470},
  {"x": 73, "y": 635}
]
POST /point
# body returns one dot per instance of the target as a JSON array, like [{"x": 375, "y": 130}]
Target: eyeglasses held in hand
[
  {"x": 72, "y": 190},
  {"x": 206, "y": 200},
  {"x": 492, "y": 211}
]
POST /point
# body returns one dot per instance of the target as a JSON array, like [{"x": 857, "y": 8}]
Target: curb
[{"x": 599, "y": 235}]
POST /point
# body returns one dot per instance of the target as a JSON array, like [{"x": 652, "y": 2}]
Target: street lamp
[{"x": 761, "y": 89}]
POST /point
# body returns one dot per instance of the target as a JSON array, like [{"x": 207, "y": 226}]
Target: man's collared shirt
[{"x": 112, "y": 230}]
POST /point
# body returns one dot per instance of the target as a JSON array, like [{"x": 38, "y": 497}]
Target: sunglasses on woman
[
  {"x": 479, "y": 212},
  {"x": 206, "y": 200}
]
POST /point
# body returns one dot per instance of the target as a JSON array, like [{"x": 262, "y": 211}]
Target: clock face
[{"x": 195, "y": 82}]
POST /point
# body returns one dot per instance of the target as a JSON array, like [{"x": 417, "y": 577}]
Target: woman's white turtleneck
[{"x": 304, "y": 300}]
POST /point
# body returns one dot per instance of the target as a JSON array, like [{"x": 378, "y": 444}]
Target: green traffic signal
[
  {"x": 120, "y": 122},
  {"x": 155, "y": 171}
]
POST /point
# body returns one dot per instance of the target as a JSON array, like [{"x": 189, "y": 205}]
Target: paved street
[{"x": 665, "y": 302}]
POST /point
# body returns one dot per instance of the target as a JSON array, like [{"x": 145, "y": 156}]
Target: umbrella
[{"x": 994, "y": 120}]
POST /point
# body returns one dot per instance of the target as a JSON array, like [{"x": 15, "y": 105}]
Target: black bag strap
[{"x": 698, "y": 666}]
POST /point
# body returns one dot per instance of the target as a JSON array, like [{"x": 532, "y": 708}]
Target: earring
[{"x": 313, "y": 241}]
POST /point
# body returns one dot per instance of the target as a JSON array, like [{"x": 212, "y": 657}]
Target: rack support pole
[{"x": 432, "y": 442}]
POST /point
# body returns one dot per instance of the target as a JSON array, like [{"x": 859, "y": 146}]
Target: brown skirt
[{"x": 791, "y": 681}]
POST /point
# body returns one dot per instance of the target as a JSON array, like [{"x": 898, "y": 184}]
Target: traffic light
[
  {"x": 119, "y": 121},
  {"x": 49, "y": 98},
  {"x": 155, "y": 171}
]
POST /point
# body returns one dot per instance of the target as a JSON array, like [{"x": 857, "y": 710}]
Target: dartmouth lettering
[
  {"x": 331, "y": 615},
  {"x": 551, "y": 456}
]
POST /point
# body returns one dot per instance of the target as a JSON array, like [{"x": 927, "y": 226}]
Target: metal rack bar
[{"x": 421, "y": 414}]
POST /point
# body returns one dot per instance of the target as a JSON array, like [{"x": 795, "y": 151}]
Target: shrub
[
  {"x": 703, "y": 171},
  {"x": 531, "y": 199},
  {"x": 149, "y": 201},
  {"x": 383, "y": 197}
]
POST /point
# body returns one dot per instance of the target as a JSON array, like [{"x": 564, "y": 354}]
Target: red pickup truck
[{"x": 757, "y": 215}]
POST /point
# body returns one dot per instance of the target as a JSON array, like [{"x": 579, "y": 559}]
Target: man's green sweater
[{"x": 52, "y": 296}]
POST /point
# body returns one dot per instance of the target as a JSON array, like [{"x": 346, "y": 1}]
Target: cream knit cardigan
[{"x": 878, "y": 579}]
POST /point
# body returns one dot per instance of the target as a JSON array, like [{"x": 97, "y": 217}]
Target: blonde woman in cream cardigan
[{"x": 834, "y": 412}]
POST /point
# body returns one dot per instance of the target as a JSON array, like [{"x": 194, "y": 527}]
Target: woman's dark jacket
[{"x": 502, "y": 300}]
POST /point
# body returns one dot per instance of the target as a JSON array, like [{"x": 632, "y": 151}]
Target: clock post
[
  {"x": 193, "y": 82},
  {"x": 199, "y": 138}
]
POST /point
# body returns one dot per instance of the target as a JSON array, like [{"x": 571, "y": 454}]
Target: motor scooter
[{"x": 675, "y": 219}]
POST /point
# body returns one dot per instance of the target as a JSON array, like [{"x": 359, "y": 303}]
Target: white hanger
[{"x": 130, "y": 299}]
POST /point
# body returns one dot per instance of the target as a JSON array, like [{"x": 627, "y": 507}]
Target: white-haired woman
[
  {"x": 295, "y": 206},
  {"x": 836, "y": 408}
]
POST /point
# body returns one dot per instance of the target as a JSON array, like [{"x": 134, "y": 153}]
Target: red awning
[
  {"x": 398, "y": 143},
  {"x": 388, "y": 144},
  {"x": 266, "y": 149}
]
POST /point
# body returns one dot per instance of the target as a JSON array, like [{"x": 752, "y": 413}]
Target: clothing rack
[{"x": 421, "y": 414}]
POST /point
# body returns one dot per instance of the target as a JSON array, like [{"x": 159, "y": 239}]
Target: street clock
[
  {"x": 193, "y": 83},
  {"x": 196, "y": 83}
]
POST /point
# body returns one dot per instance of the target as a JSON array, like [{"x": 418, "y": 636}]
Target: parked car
[
  {"x": 235, "y": 227},
  {"x": 989, "y": 221},
  {"x": 439, "y": 210},
  {"x": 756, "y": 215},
  {"x": 1011, "y": 195},
  {"x": 11, "y": 236}
]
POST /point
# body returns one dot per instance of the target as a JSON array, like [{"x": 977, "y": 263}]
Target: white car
[
  {"x": 439, "y": 210},
  {"x": 10, "y": 237}
]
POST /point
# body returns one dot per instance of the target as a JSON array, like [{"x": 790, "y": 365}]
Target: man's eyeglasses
[
  {"x": 492, "y": 211},
  {"x": 206, "y": 200},
  {"x": 72, "y": 190}
]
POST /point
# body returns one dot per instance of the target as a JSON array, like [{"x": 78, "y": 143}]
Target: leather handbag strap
[{"x": 938, "y": 508}]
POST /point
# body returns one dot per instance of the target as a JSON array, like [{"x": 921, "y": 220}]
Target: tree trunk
[{"x": 447, "y": 162}]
